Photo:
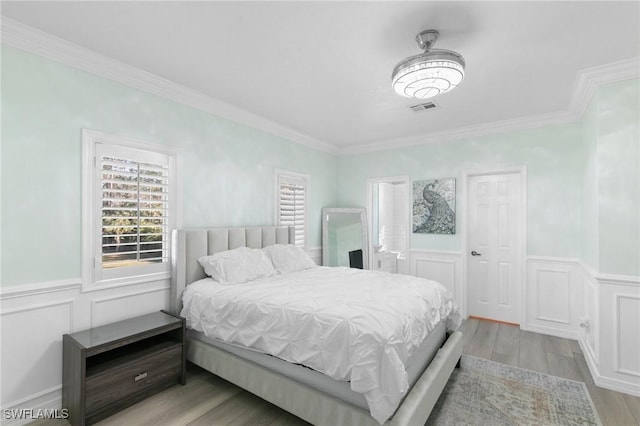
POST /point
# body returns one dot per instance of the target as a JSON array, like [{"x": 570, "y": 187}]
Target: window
[
  {"x": 292, "y": 191},
  {"x": 129, "y": 203}
]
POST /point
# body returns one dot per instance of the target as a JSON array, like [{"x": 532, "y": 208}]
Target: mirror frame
[{"x": 365, "y": 232}]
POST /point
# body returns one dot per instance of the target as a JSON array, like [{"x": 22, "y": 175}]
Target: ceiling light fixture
[{"x": 432, "y": 73}]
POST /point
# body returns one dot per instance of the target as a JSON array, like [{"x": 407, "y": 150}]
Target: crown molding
[
  {"x": 587, "y": 81},
  {"x": 478, "y": 130},
  {"x": 38, "y": 42},
  {"x": 590, "y": 79}
]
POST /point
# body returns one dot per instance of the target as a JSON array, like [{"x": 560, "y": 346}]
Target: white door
[{"x": 494, "y": 246}]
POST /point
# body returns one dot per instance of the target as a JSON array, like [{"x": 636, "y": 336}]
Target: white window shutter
[
  {"x": 134, "y": 212},
  {"x": 292, "y": 204}
]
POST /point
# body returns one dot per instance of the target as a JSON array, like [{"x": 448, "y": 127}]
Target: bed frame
[{"x": 301, "y": 400}]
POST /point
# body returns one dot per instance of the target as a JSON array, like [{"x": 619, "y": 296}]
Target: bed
[{"x": 304, "y": 392}]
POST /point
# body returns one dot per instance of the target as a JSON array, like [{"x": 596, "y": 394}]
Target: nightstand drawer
[{"x": 121, "y": 381}]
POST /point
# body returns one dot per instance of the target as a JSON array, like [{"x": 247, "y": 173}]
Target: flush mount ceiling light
[{"x": 432, "y": 73}]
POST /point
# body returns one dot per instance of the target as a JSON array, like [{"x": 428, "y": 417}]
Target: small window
[
  {"x": 129, "y": 203},
  {"x": 292, "y": 191}
]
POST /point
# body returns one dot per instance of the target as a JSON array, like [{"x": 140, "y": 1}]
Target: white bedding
[{"x": 350, "y": 324}]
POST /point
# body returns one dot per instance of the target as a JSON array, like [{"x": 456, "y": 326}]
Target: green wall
[
  {"x": 590, "y": 228},
  {"x": 554, "y": 166},
  {"x": 583, "y": 178},
  {"x": 227, "y": 169},
  {"x": 618, "y": 161}
]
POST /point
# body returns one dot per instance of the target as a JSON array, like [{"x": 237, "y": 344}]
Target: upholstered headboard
[{"x": 187, "y": 245}]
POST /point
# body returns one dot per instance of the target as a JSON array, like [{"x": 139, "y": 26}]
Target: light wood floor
[{"x": 208, "y": 400}]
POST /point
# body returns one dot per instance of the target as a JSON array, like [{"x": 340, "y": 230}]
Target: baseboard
[
  {"x": 42, "y": 405},
  {"x": 550, "y": 331},
  {"x": 606, "y": 382}
]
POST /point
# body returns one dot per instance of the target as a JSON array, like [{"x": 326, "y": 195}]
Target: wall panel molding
[
  {"x": 34, "y": 318},
  {"x": 558, "y": 308},
  {"x": 626, "y": 335},
  {"x": 23, "y": 290},
  {"x": 553, "y": 296},
  {"x": 315, "y": 253},
  {"x": 442, "y": 266},
  {"x": 114, "y": 313},
  {"x": 610, "y": 342}
]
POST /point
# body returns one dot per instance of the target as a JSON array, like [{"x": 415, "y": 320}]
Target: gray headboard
[{"x": 187, "y": 245}]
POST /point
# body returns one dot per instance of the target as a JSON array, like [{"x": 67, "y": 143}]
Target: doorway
[
  {"x": 389, "y": 222},
  {"x": 495, "y": 244}
]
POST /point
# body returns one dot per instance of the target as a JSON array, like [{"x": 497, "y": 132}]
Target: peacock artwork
[{"x": 434, "y": 206}]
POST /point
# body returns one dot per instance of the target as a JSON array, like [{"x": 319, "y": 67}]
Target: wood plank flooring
[{"x": 209, "y": 400}]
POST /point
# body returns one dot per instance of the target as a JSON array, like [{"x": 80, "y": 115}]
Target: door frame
[{"x": 522, "y": 249}]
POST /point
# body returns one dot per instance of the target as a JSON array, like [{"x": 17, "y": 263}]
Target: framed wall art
[{"x": 434, "y": 206}]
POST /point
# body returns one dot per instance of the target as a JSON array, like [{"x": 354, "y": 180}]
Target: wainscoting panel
[
  {"x": 558, "y": 308},
  {"x": 440, "y": 266},
  {"x": 32, "y": 347},
  {"x": 627, "y": 335},
  {"x": 619, "y": 363},
  {"x": 109, "y": 309},
  {"x": 554, "y": 296},
  {"x": 315, "y": 253},
  {"x": 34, "y": 318}
]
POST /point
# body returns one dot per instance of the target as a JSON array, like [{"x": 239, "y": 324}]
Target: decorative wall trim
[
  {"x": 48, "y": 399},
  {"x": 38, "y": 42},
  {"x": 604, "y": 361},
  {"x": 23, "y": 290},
  {"x": 315, "y": 253},
  {"x": 96, "y": 302},
  {"x": 618, "y": 340},
  {"x": 45, "y": 305},
  {"x": 565, "y": 288},
  {"x": 32, "y": 303},
  {"x": 587, "y": 81},
  {"x": 618, "y": 280},
  {"x": 446, "y": 268},
  {"x": 545, "y": 311},
  {"x": 551, "y": 259}
]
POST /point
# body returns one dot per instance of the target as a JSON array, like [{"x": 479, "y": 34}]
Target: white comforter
[{"x": 350, "y": 324}]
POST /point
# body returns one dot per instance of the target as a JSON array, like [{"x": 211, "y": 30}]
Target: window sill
[{"x": 125, "y": 281}]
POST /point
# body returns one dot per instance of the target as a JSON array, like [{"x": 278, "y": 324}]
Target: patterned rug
[{"x": 483, "y": 392}]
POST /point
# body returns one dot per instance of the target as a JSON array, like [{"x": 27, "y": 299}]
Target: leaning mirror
[{"x": 344, "y": 238}]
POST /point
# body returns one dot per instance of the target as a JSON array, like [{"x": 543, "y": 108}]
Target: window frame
[
  {"x": 94, "y": 276},
  {"x": 280, "y": 174}
]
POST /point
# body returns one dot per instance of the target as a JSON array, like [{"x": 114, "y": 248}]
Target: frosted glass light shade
[{"x": 429, "y": 74}]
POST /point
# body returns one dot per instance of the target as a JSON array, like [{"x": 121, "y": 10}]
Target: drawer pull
[{"x": 140, "y": 377}]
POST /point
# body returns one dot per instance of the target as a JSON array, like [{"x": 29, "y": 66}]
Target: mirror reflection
[
  {"x": 344, "y": 238},
  {"x": 389, "y": 207}
]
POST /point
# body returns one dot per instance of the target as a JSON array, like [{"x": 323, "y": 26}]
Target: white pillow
[
  {"x": 237, "y": 266},
  {"x": 288, "y": 258}
]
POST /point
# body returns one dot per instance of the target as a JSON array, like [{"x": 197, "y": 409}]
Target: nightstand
[{"x": 108, "y": 368}]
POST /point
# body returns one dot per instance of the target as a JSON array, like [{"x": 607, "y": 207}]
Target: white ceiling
[{"x": 323, "y": 69}]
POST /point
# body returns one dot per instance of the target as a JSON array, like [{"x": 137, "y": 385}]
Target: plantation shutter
[
  {"x": 292, "y": 205},
  {"x": 134, "y": 197}
]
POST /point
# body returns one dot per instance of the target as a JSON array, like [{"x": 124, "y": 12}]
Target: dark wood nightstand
[{"x": 108, "y": 368}]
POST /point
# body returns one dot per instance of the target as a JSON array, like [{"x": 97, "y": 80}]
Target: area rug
[{"x": 483, "y": 392}]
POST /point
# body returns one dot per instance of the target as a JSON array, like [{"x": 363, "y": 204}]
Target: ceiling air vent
[{"x": 423, "y": 107}]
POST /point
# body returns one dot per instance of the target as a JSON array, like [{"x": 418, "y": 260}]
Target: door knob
[{"x": 475, "y": 253}]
